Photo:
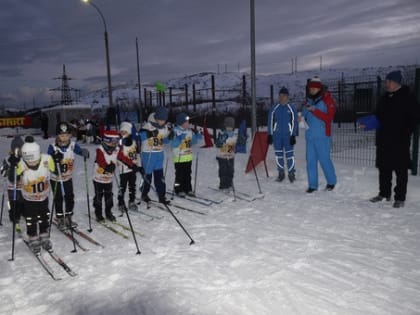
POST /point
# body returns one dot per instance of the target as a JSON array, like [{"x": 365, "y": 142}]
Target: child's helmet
[
  {"x": 62, "y": 128},
  {"x": 31, "y": 153},
  {"x": 110, "y": 140}
]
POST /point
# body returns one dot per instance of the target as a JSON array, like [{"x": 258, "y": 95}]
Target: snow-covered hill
[{"x": 295, "y": 82}]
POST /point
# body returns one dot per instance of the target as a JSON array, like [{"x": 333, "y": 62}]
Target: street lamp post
[{"x": 108, "y": 68}]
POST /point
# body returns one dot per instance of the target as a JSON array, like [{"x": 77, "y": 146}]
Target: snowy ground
[{"x": 289, "y": 253}]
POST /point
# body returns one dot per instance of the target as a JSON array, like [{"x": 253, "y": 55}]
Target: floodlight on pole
[{"x": 108, "y": 68}]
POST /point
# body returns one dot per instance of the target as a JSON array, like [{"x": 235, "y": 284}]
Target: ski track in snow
[{"x": 287, "y": 253}]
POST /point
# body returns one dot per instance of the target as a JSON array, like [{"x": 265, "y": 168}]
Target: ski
[
  {"x": 59, "y": 261},
  {"x": 68, "y": 234},
  {"x": 143, "y": 215},
  {"x": 87, "y": 237},
  {"x": 156, "y": 203},
  {"x": 112, "y": 229},
  {"x": 127, "y": 228},
  {"x": 43, "y": 263},
  {"x": 149, "y": 215},
  {"x": 205, "y": 201},
  {"x": 238, "y": 194}
]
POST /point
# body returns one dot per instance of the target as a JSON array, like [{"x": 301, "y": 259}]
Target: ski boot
[
  {"x": 35, "y": 244},
  {"x": 110, "y": 216},
  {"x": 132, "y": 206},
  {"x": 45, "y": 241},
  {"x": 61, "y": 224},
  {"x": 145, "y": 198},
  {"x": 379, "y": 198},
  {"x": 190, "y": 194},
  {"x": 181, "y": 194},
  {"x": 163, "y": 200}
]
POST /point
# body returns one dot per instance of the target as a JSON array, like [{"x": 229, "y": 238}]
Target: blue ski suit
[
  {"x": 318, "y": 144},
  {"x": 282, "y": 124}
]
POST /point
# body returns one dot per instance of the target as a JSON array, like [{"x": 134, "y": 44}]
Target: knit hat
[
  {"x": 161, "y": 113},
  {"x": 395, "y": 76},
  {"x": 126, "y": 126},
  {"x": 284, "y": 90},
  {"x": 229, "y": 122},
  {"x": 181, "y": 118},
  {"x": 111, "y": 134},
  {"x": 315, "y": 82},
  {"x": 17, "y": 143}
]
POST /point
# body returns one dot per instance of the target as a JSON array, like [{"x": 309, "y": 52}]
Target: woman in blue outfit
[{"x": 319, "y": 113}]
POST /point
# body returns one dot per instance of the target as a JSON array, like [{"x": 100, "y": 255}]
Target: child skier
[
  {"x": 62, "y": 152},
  {"x": 104, "y": 168},
  {"x": 34, "y": 169},
  {"x": 128, "y": 162},
  {"x": 14, "y": 186},
  {"x": 226, "y": 142},
  {"x": 153, "y": 135},
  {"x": 183, "y": 140}
]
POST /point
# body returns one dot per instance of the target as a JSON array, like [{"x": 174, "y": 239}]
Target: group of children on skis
[{"x": 32, "y": 175}]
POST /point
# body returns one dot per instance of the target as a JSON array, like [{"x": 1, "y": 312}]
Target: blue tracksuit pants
[{"x": 282, "y": 148}]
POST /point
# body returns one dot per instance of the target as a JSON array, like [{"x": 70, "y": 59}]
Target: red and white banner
[{"x": 11, "y": 122}]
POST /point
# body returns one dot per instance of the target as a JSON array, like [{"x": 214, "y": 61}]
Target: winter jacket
[
  {"x": 282, "y": 121},
  {"x": 182, "y": 144},
  {"x": 398, "y": 114},
  {"x": 319, "y": 120}
]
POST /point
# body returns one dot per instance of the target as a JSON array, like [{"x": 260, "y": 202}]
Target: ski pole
[
  {"x": 52, "y": 207},
  {"x": 174, "y": 216},
  {"x": 13, "y": 214},
  {"x": 87, "y": 195},
  {"x": 129, "y": 219},
  {"x": 2, "y": 205},
  {"x": 255, "y": 173},
  {"x": 195, "y": 173},
  {"x": 63, "y": 194}
]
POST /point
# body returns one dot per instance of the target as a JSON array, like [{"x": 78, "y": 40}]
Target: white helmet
[{"x": 31, "y": 153}]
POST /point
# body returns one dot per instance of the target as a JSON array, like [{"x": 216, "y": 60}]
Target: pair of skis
[
  {"x": 47, "y": 267},
  {"x": 199, "y": 199}
]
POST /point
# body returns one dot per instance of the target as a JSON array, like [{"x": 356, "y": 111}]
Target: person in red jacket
[
  {"x": 104, "y": 168},
  {"x": 318, "y": 113}
]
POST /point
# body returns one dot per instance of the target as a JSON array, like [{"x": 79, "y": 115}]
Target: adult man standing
[
  {"x": 282, "y": 128},
  {"x": 398, "y": 114}
]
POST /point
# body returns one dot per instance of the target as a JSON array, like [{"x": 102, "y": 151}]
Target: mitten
[
  {"x": 127, "y": 141},
  {"x": 269, "y": 139},
  {"x": 292, "y": 140},
  {"x": 13, "y": 160},
  {"x": 110, "y": 168},
  {"x": 57, "y": 156},
  {"x": 85, "y": 153}
]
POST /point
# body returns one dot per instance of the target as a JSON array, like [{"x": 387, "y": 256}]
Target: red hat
[
  {"x": 111, "y": 134},
  {"x": 315, "y": 82}
]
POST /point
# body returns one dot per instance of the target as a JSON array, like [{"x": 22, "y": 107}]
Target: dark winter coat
[{"x": 398, "y": 114}]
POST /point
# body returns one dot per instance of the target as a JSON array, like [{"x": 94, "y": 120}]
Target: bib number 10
[{"x": 38, "y": 187}]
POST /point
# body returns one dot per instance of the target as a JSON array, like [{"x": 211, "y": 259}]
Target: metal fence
[{"x": 357, "y": 97}]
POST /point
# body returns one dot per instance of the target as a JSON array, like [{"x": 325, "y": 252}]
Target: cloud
[{"x": 189, "y": 36}]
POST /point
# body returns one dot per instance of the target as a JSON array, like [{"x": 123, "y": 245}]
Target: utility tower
[{"x": 65, "y": 89}]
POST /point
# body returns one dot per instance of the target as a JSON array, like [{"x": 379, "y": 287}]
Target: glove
[
  {"x": 57, "y": 156},
  {"x": 139, "y": 169},
  {"x": 269, "y": 139},
  {"x": 13, "y": 160},
  {"x": 292, "y": 140},
  {"x": 171, "y": 135},
  {"x": 152, "y": 133},
  {"x": 85, "y": 153},
  {"x": 127, "y": 141},
  {"x": 110, "y": 168},
  {"x": 4, "y": 168}
]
